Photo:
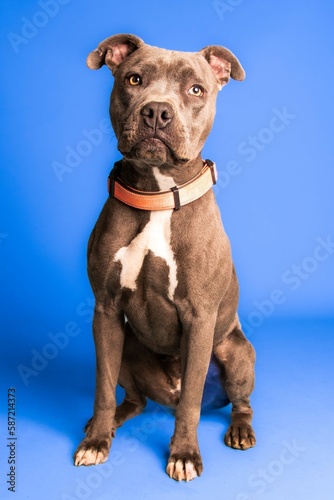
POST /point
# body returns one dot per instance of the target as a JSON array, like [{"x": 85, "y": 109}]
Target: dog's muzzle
[{"x": 157, "y": 115}]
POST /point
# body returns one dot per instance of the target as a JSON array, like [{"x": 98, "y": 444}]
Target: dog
[{"x": 159, "y": 262}]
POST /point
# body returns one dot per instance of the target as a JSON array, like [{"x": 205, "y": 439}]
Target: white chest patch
[{"x": 156, "y": 237}]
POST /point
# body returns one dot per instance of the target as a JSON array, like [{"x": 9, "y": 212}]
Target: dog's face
[
  {"x": 163, "y": 102},
  {"x": 162, "y": 105}
]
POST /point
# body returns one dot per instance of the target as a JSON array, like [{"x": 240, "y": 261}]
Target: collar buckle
[{"x": 213, "y": 169}]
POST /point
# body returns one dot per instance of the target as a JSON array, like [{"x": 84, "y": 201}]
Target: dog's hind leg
[
  {"x": 134, "y": 401},
  {"x": 237, "y": 357}
]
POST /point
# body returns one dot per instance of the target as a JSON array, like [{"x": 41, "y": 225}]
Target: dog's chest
[{"x": 155, "y": 237}]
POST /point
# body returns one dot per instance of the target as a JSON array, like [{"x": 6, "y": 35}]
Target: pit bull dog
[{"x": 159, "y": 262}]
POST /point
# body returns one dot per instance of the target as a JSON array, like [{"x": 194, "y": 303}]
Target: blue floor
[{"x": 293, "y": 412}]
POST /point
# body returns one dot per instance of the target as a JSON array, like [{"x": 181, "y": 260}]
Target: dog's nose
[{"x": 157, "y": 115}]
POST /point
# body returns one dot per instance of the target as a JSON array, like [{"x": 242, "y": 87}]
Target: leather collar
[{"x": 173, "y": 199}]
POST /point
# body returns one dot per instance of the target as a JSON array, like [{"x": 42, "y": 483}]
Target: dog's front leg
[
  {"x": 108, "y": 328},
  {"x": 185, "y": 462}
]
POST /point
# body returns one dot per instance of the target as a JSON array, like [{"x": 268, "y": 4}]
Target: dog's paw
[
  {"x": 240, "y": 436},
  {"x": 184, "y": 467},
  {"x": 91, "y": 452}
]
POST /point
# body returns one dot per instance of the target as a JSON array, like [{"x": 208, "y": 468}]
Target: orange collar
[{"x": 174, "y": 198}]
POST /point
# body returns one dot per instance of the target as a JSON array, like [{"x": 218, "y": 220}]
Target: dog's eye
[
  {"x": 134, "y": 80},
  {"x": 196, "y": 90}
]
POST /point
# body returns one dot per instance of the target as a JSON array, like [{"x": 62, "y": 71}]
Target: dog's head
[{"x": 163, "y": 102}]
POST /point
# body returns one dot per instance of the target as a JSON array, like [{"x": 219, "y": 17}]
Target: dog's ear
[
  {"x": 223, "y": 63},
  {"x": 113, "y": 51}
]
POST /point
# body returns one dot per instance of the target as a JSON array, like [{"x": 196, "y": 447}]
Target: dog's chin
[{"x": 152, "y": 151}]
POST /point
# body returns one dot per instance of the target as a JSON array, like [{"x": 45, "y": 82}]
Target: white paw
[
  {"x": 90, "y": 456},
  {"x": 181, "y": 471}
]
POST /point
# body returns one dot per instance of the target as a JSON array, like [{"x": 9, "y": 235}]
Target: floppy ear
[
  {"x": 223, "y": 63},
  {"x": 113, "y": 51}
]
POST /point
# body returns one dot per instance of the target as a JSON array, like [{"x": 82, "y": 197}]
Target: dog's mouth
[
  {"x": 152, "y": 144},
  {"x": 154, "y": 150}
]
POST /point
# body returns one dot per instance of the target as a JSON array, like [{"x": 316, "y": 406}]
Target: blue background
[{"x": 277, "y": 205}]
